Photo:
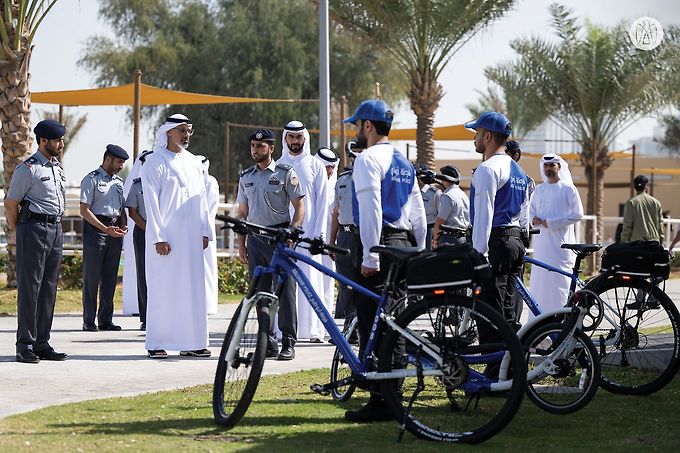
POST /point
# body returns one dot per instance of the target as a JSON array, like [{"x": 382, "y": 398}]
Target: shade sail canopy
[
  {"x": 457, "y": 132},
  {"x": 659, "y": 171},
  {"x": 149, "y": 95}
]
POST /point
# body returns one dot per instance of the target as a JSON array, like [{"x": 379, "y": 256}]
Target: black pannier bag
[
  {"x": 448, "y": 267},
  {"x": 642, "y": 258}
]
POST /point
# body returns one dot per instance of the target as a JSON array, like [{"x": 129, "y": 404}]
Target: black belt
[
  {"x": 430, "y": 225},
  {"x": 458, "y": 233},
  {"x": 348, "y": 228},
  {"x": 391, "y": 230},
  {"x": 106, "y": 220},
  {"x": 49, "y": 218},
  {"x": 506, "y": 231}
]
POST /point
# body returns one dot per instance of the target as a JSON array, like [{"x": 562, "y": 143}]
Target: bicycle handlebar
[{"x": 280, "y": 234}]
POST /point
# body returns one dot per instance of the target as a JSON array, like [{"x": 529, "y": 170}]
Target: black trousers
[
  {"x": 345, "y": 266},
  {"x": 506, "y": 256},
  {"x": 260, "y": 254},
  {"x": 366, "y": 307},
  {"x": 138, "y": 239},
  {"x": 101, "y": 257},
  {"x": 39, "y": 251}
]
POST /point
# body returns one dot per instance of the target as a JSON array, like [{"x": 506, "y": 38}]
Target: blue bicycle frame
[{"x": 282, "y": 265}]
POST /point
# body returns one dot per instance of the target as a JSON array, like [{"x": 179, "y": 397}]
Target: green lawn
[
  {"x": 70, "y": 300},
  {"x": 286, "y": 416}
]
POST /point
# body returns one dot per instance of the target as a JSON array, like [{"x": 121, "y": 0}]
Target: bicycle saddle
[
  {"x": 397, "y": 253},
  {"x": 583, "y": 249}
]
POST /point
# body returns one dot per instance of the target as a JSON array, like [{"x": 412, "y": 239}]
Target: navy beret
[
  {"x": 262, "y": 135},
  {"x": 117, "y": 151},
  {"x": 49, "y": 129}
]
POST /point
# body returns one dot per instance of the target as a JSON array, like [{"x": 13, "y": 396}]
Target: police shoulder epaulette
[
  {"x": 30, "y": 161},
  {"x": 137, "y": 180},
  {"x": 247, "y": 170},
  {"x": 93, "y": 173},
  {"x": 284, "y": 166}
]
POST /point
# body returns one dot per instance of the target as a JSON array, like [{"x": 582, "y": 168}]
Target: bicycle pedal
[{"x": 320, "y": 389}]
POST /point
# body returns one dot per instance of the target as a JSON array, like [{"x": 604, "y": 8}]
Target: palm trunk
[
  {"x": 15, "y": 106},
  {"x": 425, "y": 95},
  {"x": 595, "y": 198}
]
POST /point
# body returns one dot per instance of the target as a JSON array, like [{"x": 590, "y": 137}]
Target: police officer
[
  {"x": 388, "y": 207},
  {"x": 498, "y": 209},
  {"x": 135, "y": 204},
  {"x": 431, "y": 199},
  {"x": 454, "y": 210},
  {"x": 38, "y": 187},
  {"x": 344, "y": 233},
  {"x": 265, "y": 192},
  {"x": 101, "y": 207}
]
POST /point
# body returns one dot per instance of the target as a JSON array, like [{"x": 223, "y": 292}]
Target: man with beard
[
  {"x": 314, "y": 184},
  {"x": 177, "y": 232},
  {"x": 38, "y": 186},
  {"x": 388, "y": 205},
  {"x": 498, "y": 210},
  {"x": 555, "y": 209},
  {"x": 104, "y": 225},
  {"x": 265, "y": 191}
]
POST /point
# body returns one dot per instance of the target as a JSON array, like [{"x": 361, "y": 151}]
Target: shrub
[
  {"x": 71, "y": 272},
  {"x": 232, "y": 275}
]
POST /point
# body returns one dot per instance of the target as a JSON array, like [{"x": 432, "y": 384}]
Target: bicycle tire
[
  {"x": 235, "y": 386},
  {"x": 442, "y": 413},
  {"x": 646, "y": 355},
  {"x": 340, "y": 370},
  {"x": 572, "y": 384}
]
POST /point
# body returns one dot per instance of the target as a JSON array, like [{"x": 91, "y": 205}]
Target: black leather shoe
[
  {"x": 90, "y": 328},
  {"x": 272, "y": 353},
  {"x": 27, "y": 356},
  {"x": 110, "y": 326},
  {"x": 373, "y": 411},
  {"x": 287, "y": 353},
  {"x": 51, "y": 354}
]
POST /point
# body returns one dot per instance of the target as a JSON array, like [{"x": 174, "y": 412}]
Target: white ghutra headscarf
[
  {"x": 171, "y": 122},
  {"x": 564, "y": 173}
]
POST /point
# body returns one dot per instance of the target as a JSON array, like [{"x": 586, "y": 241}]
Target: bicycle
[
  {"x": 432, "y": 380},
  {"x": 635, "y": 326}
]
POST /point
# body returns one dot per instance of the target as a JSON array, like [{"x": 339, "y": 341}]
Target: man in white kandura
[
  {"x": 177, "y": 232},
  {"x": 314, "y": 183},
  {"x": 330, "y": 161},
  {"x": 212, "y": 196},
  {"x": 555, "y": 209}
]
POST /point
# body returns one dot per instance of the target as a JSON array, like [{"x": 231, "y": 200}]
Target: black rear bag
[
  {"x": 449, "y": 267},
  {"x": 640, "y": 258}
]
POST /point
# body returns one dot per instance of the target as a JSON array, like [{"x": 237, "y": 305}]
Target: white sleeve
[
  {"x": 367, "y": 177},
  {"x": 486, "y": 185},
  {"x": 207, "y": 229},
  {"x": 417, "y": 216},
  {"x": 320, "y": 213},
  {"x": 151, "y": 181}
]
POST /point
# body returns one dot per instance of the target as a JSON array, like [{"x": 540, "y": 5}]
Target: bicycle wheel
[
  {"x": 341, "y": 370},
  {"x": 446, "y": 407},
  {"x": 236, "y": 381},
  {"x": 638, "y": 337},
  {"x": 571, "y": 381}
]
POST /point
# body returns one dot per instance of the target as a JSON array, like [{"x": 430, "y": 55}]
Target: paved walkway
[{"x": 108, "y": 364}]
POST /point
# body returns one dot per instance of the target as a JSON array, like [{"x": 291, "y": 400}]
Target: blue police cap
[
  {"x": 117, "y": 151},
  {"x": 49, "y": 129},
  {"x": 492, "y": 122},
  {"x": 372, "y": 110},
  {"x": 262, "y": 135}
]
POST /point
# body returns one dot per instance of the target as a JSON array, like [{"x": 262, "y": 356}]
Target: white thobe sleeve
[
  {"x": 153, "y": 186},
  {"x": 367, "y": 177},
  {"x": 571, "y": 212},
  {"x": 207, "y": 229},
  {"x": 320, "y": 213},
  {"x": 485, "y": 183},
  {"x": 417, "y": 216}
]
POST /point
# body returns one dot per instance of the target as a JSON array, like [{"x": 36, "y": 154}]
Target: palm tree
[
  {"x": 421, "y": 36},
  {"x": 19, "y": 20},
  {"x": 524, "y": 116},
  {"x": 594, "y": 83}
]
